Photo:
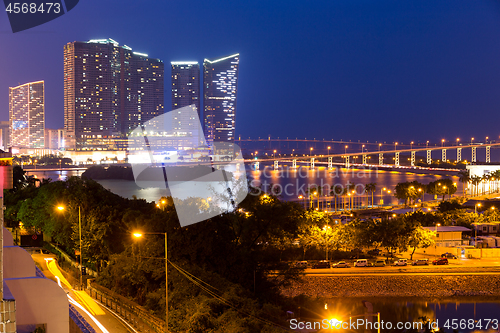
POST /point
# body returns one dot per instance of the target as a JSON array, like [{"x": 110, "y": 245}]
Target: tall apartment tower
[
  {"x": 108, "y": 91},
  {"x": 185, "y": 84},
  {"x": 27, "y": 115},
  {"x": 220, "y": 78}
]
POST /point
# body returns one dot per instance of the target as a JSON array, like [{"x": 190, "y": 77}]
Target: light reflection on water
[
  {"x": 473, "y": 312},
  {"x": 292, "y": 182}
]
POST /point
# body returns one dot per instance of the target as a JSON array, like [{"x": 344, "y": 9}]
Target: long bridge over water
[{"x": 347, "y": 157}]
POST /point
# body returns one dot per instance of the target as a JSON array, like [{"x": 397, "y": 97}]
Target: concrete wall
[
  {"x": 395, "y": 286},
  {"x": 17, "y": 263},
  {"x": 40, "y": 301}
]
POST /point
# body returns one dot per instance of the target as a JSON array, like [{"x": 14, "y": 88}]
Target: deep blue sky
[{"x": 351, "y": 70}]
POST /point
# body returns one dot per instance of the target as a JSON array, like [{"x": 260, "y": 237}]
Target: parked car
[
  {"x": 301, "y": 264},
  {"x": 440, "y": 261},
  {"x": 361, "y": 263},
  {"x": 341, "y": 264},
  {"x": 322, "y": 264},
  {"x": 448, "y": 255},
  {"x": 421, "y": 262},
  {"x": 380, "y": 263},
  {"x": 401, "y": 262}
]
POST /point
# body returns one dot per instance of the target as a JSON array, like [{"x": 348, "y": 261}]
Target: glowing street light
[
  {"x": 328, "y": 150},
  {"x": 381, "y": 199},
  {"x": 61, "y": 208},
  {"x": 139, "y": 235}
]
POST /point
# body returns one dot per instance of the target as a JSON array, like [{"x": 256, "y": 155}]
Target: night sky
[{"x": 351, "y": 70}]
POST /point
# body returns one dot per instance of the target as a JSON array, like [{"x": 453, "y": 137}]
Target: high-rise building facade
[
  {"x": 220, "y": 78},
  {"x": 108, "y": 91},
  {"x": 54, "y": 138},
  {"x": 27, "y": 115},
  {"x": 185, "y": 84},
  {"x": 4, "y": 135}
]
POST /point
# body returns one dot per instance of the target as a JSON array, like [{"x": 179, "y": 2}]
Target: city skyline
[
  {"x": 220, "y": 87},
  {"x": 109, "y": 90},
  {"x": 27, "y": 115},
  {"x": 353, "y": 71}
]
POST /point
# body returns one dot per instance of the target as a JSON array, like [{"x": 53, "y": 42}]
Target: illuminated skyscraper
[
  {"x": 219, "y": 91},
  {"x": 27, "y": 115},
  {"x": 108, "y": 91},
  {"x": 185, "y": 84}
]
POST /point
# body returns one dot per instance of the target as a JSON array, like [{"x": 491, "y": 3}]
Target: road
[
  {"x": 95, "y": 314},
  {"x": 455, "y": 267}
]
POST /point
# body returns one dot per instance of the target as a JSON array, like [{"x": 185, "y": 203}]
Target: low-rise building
[
  {"x": 487, "y": 228},
  {"x": 449, "y": 236}
]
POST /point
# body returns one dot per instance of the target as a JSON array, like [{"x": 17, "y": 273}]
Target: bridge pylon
[
  {"x": 473, "y": 159},
  {"x": 443, "y": 155},
  {"x": 459, "y": 154},
  {"x": 429, "y": 157},
  {"x": 488, "y": 154},
  {"x": 412, "y": 159},
  {"x": 330, "y": 162},
  {"x": 294, "y": 164},
  {"x": 380, "y": 159},
  {"x": 276, "y": 165},
  {"x": 312, "y": 162}
]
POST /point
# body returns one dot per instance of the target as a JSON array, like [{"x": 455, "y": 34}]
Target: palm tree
[
  {"x": 371, "y": 188},
  {"x": 464, "y": 177},
  {"x": 314, "y": 191},
  {"x": 475, "y": 180},
  {"x": 496, "y": 174},
  {"x": 335, "y": 194}
]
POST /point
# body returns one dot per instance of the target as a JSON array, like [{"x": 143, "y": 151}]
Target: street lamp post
[
  {"x": 381, "y": 202},
  {"x": 139, "y": 235},
  {"x": 437, "y": 225},
  {"x": 475, "y": 227},
  {"x": 61, "y": 208},
  {"x": 328, "y": 150},
  {"x": 325, "y": 228}
]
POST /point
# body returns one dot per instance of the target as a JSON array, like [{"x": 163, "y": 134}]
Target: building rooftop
[{"x": 448, "y": 229}]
